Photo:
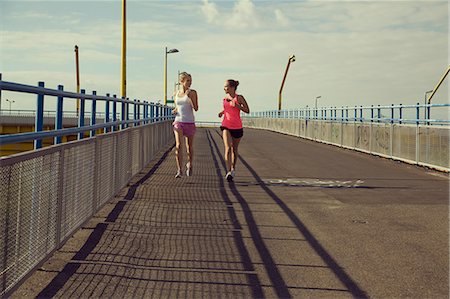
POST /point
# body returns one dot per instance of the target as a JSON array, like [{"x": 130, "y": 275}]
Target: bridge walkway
[{"x": 302, "y": 219}]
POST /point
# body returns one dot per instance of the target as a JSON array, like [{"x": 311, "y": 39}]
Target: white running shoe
[
  {"x": 229, "y": 177},
  {"x": 178, "y": 175},
  {"x": 188, "y": 169}
]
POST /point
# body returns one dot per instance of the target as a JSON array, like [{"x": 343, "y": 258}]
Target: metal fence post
[
  {"x": 105, "y": 130},
  {"x": 145, "y": 112},
  {"x": 122, "y": 115},
  {"x": 371, "y": 114},
  {"x": 400, "y": 114},
  {"x": 361, "y": 114},
  {"x": 152, "y": 112},
  {"x": 157, "y": 113},
  {"x": 39, "y": 119},
  {"x": 114, "y": 127},
  {"x": 417, "y": 114},
  {"x": 81, "y": 114},
  {"x": 127, "y": 116},
  {"x": 392, "y": 114},
  {"x": 59, "y": 115},
  {"x": 135, "y": 117},
  {"x": 93, "y": 113},
  {"x": 379, "y": 113}
]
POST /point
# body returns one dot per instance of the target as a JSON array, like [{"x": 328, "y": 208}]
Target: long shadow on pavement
[
  {"x": 277, "y": 280},
  {"x": 346, "y": 280}
]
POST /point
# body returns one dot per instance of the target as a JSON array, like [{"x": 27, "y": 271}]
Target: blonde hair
[{"x": 183, "y": 75}]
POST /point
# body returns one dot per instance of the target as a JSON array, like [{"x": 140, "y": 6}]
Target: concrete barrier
[{"x": 417, "y": 144}]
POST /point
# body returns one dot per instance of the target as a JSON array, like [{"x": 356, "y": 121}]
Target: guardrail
[
  {"x": 401, "y": 114},
  {"x": 144, "y": 112},
  {"x": 426, "y": 145},
  {"x": 47, "y": 194}
]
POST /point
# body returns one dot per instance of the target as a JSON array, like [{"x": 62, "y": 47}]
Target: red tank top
[{"x": 232, "y": 115}]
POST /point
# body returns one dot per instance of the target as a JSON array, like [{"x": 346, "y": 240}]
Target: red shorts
[{"x": 188, "y": 129}]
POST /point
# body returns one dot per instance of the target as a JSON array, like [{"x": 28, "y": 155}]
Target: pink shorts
[{"x": 188, "y": 129}]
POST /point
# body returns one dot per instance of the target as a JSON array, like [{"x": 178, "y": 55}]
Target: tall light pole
[
  {"x": 123, "y": 85},
  {"x": 165, "y": 71},
  {"x": 291, "y": 59},
  {"x": 77, "y": 69},
  {"x": 10, "y": 102}
]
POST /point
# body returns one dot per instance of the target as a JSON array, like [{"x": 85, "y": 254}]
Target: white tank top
[{"x": 185, "y": 110}]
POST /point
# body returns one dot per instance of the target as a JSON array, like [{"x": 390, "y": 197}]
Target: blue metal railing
[
  {"x": 401, "y": 114},
  {"x": 144, "y": 113}
]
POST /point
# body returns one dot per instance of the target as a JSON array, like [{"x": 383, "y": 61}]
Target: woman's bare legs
[
  {"x": 190, "y": 152},
  {"x": 228, "y": 143},
  {"x": 234, "y": 153},
  {"x": 179, "y": 148}
]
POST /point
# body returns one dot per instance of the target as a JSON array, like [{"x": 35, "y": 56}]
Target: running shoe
[
  {"x": 178, "y": 175},
  {"x": 232, "y": 173},
  {"x": 229, "y": 177},
  {"x": 188, "y": 169}
]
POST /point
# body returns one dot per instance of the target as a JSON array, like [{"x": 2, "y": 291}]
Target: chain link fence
[
  {"x": 417, "y": 144},
  {"x": 47, "y": 194}
]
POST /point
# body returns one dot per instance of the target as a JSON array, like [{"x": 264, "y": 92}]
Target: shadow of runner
[
  {"x": 71, "y": 268},
  {"x": 254, "y": 281},
  {"x": 349, "y": 283},
  {"x": 274, "y": 274}
]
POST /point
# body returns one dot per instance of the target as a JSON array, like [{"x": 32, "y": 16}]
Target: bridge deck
[{"x": 301, "y": 219}]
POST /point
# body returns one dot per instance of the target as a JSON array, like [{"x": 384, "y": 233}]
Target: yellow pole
[
  {"x": 77, "y": 65},
  {"x": 439, "y": 84},
  {"x": 165, "y": 76},
  {"x": 123, "y": 87},
  {"x": 291, "y": 59}
]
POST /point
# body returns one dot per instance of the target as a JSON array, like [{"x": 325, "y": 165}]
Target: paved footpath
[{"x": 302, "y": 219}]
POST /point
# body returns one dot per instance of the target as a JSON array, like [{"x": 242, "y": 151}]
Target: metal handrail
[
  {"x": 144, "y": 112},
  {"x": 359, "y": 113}
]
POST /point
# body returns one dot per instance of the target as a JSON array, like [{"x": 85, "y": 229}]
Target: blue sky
[{"x": 348, "y": 52}]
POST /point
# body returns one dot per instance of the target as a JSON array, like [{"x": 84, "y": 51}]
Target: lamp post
[
  {"x": 426, "y": 99},
  {"x": 10, "y": 102},
  {"x": 318, "y": 97},
  {"x": 291, "y": 59},
  {"x": 123, "y": 63},
  {"x": 77, "y": 70},
  {"x": 165, "y": 71}
]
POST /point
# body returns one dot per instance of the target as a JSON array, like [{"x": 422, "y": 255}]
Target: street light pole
[
  {"x": 291, "y": 59},
  {"x": 123, "y": 85},
  {"x": 165, "y": 71},
  {"x": 10, "y": 102},
  {"x": 77, "y": 69}
]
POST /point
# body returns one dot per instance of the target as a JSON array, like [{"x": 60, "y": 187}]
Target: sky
[{"x": 347, "y": 52}]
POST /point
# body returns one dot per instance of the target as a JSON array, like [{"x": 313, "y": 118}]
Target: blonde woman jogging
[
  {"x": 186, "y": 102},
  {"x": 232, "y": 130}
]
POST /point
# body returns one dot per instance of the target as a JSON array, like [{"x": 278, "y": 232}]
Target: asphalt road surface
[{"x": 301, "y": 219}]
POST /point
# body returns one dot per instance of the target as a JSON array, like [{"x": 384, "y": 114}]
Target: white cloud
[
  {"x": 281, "y": 18},
  {"x": 244, "y": 15},
  {"x": 210, "y": 11}
]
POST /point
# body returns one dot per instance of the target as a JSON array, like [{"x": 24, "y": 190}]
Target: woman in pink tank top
[{"x": 232, "y": 130}]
